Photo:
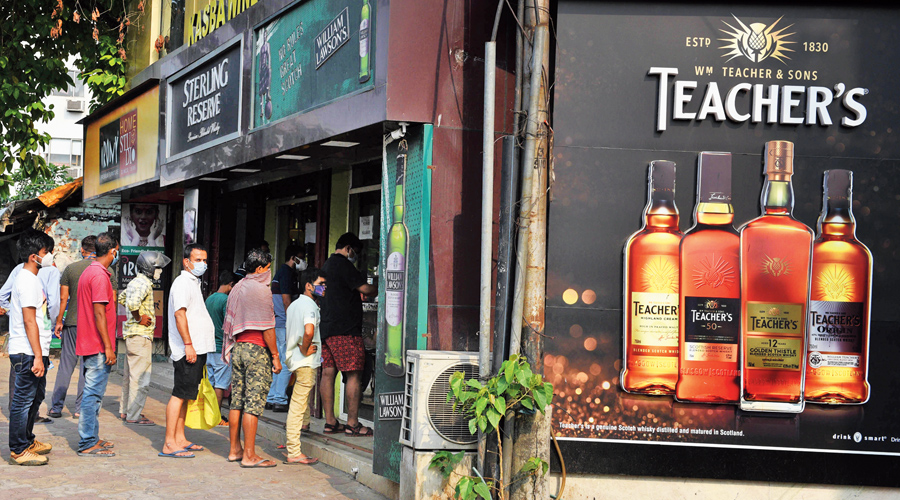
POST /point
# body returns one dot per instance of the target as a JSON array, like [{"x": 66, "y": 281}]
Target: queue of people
[{"x": 251, "y": 336}]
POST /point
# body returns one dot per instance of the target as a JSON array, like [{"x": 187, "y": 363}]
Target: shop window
[
  {"x": 65, "y": 152},
  {"x": 74, "y": 90},
  {"x": 171, "y": 27}
]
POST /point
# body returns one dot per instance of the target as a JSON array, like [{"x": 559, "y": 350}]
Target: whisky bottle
[
  {"x": 651, "y": 291},
  {"x": 395, "y": 279},
  {"x": 364, "y": 43},
  {"x": 839, "y": 297},
  {"x": 775, "y": 267},
  {"x": 710, "y": 291}
]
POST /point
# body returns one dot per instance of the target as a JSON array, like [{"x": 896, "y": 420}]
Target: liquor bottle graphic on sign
[
  {"x": 364, "y": 43},
  {"x": 775, "y": 266},
  {"x": 710, "y": 291},
  {"x": 838, "y": 360},
  {"x": 395, "y": 279},
  {"x": 651, "y": 291}
]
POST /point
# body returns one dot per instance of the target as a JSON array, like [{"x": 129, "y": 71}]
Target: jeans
[
  {"x": 280, "y": 381},
  {"x": 136, "y": 381},
  {"x": 67, "y": 362},
  {"x": 25, "y": 402},
  {"x": 96, "y": 375}
]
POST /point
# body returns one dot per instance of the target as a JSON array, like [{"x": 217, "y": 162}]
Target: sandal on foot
[
  {"x": 259, "y": 465},
  {"x": 175, "y": 454},
  {"x": 337, "y": 428},
  {"x": 97, "y": 452},
  {"x": 301, "y": 461},
  {"x": 106, "y": 444},
  {"x": 194, "y": 447},
  {"x": 358, "y": 430},
  {"x": 142, "y": 421}
]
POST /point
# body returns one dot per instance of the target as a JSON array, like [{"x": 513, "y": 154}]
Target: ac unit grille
[
  {"x": 405, "y": 424},
  {"x": 451, "y": 425}
]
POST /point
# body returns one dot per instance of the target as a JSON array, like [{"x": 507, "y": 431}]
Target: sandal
[
  {"x": 337, "y": 428},
  {"x": 142, "y": 421},
  {"x": 358, "y": 430}
]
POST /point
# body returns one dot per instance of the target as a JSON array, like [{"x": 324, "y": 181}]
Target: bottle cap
[
  {"x": 838, "y": 187},
  {"x": 779, "y": 160},
  {"x": 662, "y": 180},
  {"x": 715, "y": 177}
]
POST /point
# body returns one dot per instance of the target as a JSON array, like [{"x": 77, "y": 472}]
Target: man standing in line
[
  {"x": 138, "y": 334},
  {"x": 67, "y": 330},
  {"x": 343, "y": 348},
  {"x": 250, "y": 347},
  {"x": 283, "y": 291},
  {"x": 29, "y": 346},
  {"x": 95, "y": 342},
  {"x": 191, "y": 336},
  {"x": 302, "y": 357},
  {"x": 218, "y": 371}
]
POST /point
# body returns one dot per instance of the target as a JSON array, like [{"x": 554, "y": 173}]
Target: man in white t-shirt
[
  {"x": 30, "y": 333},
  {"x": 191, "y": 336},
  {"x": 302, "y": 342}
]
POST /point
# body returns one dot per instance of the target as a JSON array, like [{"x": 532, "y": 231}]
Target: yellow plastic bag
[{"x": 203, "y": 412}]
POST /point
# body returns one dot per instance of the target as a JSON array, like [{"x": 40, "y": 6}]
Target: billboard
[{"x": 640, "y": 83}]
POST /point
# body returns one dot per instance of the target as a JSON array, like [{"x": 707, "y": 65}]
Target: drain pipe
[
  {"x": 527, "y": 179},
  {"x": 487, "y": 210}
]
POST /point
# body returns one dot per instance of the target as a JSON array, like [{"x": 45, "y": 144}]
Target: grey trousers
[
  {"x": 67, "y": 362},
  {"x": 136, "y": 381}
]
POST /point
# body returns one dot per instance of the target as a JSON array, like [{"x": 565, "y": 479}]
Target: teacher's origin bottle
[
  {"x": 710, "y": 291},
  {"x": 364, "y": 37},
  {"x": 395, "y": 280},
  {"x": 775, "y": 266},
  {"x": 651, "y": 291},
  {"x": 838, "y": 359}
]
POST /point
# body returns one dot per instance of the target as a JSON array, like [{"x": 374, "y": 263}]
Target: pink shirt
[{"x": 94, "y": 287}]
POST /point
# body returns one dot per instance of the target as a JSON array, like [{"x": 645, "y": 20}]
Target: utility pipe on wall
[{"x": 487, "y": 210}]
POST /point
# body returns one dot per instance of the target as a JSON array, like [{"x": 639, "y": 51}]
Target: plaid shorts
[{"x": 346, "y": 352}]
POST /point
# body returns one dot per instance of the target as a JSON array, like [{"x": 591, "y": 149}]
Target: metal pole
[{"x": 487, "y": 210}]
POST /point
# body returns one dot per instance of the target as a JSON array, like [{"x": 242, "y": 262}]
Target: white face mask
[
  {"x": 301, "y": 265},
  {"x": 157, "y": 273},
  {"x": 46, "y": 260}
]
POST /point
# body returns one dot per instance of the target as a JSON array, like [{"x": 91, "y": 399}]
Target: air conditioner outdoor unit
[
  {"x": 429, "y": 422},
  {"x": 75, "y": 105}
]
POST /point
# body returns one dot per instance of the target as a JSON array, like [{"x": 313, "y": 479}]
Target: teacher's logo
[{"x": 756, "y": 41}]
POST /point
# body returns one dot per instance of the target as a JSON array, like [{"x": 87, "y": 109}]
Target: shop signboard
[
  {"x": 122, "y": 146},
  {"x": 204, "y": 102},
  {"x": 309, "y": 55},
  {"x": 637, "y": 83},
  {"x": 143, "y": 230}
]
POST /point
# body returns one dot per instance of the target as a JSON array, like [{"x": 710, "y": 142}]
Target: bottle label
[
  {"x": 711, "y": 329},
  {"x": 835, "y": 327},
  {"x": 364, "y": 38},
  {"x": 819, "y": 360},
  {"x": 394, "y": 288},
  {"x": 654, "y": 324},
  {"x": 774, "y": 353},
  {"x": 766, "y": 317}
]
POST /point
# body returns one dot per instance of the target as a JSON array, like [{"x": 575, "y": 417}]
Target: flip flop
[
  {"x": 97, "y": 452},
  {"x": 142, "y": 421},
  {"x": 232, "y": 460},
  {"x": 302, "y": 461},
  {"x": 258, "y": 465},
  {"x": 106, "y": 444},
  {"x": 194, "y": 447},
  {"x": 175, "y": 454}
]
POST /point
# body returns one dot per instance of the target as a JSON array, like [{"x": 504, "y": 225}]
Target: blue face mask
[
  {"x": 115, "y": 259},
  {"x": 199, "y": 269},
  {"x": 319, "y": 290}
]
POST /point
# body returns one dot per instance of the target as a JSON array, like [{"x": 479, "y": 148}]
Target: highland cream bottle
[
  {"x": 651, "y": 291},
  {"x": 775, "y": 267},
  {"x": 839, "y": 298},
  {"x": 710, "y": 291}
]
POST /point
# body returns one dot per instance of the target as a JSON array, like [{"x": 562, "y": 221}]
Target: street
[{"x": 136, "y": 472}]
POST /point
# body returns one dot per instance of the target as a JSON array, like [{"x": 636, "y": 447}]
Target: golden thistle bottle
[
  {"x": 651, "y": 291},
  {"x": 364, "y": 37},
  {"x": 395, "y": 279},
  {"x": 710, "y": 291},
  {"x": 775, "y": 266},
  {"x": 838, "y": 359}
]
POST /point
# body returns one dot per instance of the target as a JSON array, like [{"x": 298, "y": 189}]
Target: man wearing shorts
[
  {"x": 251, "y": 347},
  {"x": 191, "y": 337},
  {"x": 341, "y": 330},
  {"x": 218, "y": 371}
]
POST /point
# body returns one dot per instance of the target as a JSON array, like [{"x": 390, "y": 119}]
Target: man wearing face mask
[
  {"x": 342, "y": 343},
  {"x": 67, "y": 330},
  {"x": 191, "y": 336},
  {"x": 138, "y": 334},
  {"x": 95, "y": 343},
  {"x": 283, "y": 290}
]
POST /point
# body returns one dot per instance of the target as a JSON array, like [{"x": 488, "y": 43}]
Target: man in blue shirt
[{"x": 284, "y": 288}]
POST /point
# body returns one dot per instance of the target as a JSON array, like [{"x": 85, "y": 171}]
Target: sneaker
[
  {"x": 40, "y": 448},
  {"x": 28, "y": 457}
]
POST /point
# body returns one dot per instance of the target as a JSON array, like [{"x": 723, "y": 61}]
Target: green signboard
[{"x": 311, "y": 54}]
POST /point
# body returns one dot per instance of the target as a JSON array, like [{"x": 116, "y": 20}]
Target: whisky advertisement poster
[
  {"x": 309, "y": 55},
  {"x": 637, "y": 83}
]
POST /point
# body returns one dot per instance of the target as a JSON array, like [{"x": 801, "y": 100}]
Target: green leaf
[
  {"x": 493, "y": 418},
  {"x": 540, "y": 400},
  {"x": 483, "y": 491},
  {"x": 482, "y": 423},
  {"x": 500, "y": 404},
  {"x": 527, "y": 403},
  {"x": 480, "y": 404},
  {"x": 474, "y": 384},
  {"x": 502, "y": 384},
  {"x": 509, "y": 374},
  {"x": 472, "y": 423}
]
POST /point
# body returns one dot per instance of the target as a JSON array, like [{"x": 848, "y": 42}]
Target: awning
[{"x": 25, "y": 211}]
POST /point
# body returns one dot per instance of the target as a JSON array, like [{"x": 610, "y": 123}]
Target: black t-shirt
[
  {"x": 342, "y": 305},
  {"x": 283, "y": 282}
]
